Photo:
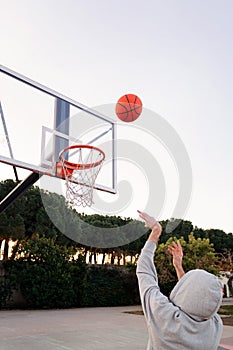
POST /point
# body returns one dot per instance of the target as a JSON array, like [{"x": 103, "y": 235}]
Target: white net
[{"x": 80, "y": 173}]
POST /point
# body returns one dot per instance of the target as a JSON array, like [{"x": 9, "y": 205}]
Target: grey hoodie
[{"x": 188, "y": 319}]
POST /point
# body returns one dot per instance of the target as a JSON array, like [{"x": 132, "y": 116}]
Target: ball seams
[{"x": 128, "y": 107}]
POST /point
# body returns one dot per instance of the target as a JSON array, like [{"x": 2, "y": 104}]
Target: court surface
[{"x": 83, "y": 328}]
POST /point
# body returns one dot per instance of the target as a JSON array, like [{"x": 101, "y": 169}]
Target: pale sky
[{"x": 175, "y": 54}]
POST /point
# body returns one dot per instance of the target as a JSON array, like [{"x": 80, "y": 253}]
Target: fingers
[
  {"x": 179, "y": 245},
  {"x": 176, "y": 248},
  {"x": 149, "y": 220},
  {"x": 151, "y": 223},
  {"x": 170, "y": 249},
  {"x": 175, "y": 245},
  {"x": 143, "y": 215},
  {"x": 173, "y": 249}
]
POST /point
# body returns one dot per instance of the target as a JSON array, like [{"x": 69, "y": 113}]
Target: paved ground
[
  {"x": 82, "y": 329},
  {"x": 227, "y": 337}
]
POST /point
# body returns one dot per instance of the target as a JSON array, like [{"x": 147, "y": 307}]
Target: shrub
[
  {"x": 111, "y": 286},
  {"x": 7, "y": 285},
  {"x": 46, "y": 275}
]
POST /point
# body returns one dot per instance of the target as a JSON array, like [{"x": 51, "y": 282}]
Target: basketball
[{"x": 128, "y": 108}]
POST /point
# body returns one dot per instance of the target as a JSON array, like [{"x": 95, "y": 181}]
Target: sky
[{"x": 175, "y": 54}]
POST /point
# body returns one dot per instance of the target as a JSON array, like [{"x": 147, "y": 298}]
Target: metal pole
[
  {"x": 8, "y": 141},
  {"x": 61, "y": 124},
  {"x": 18, "y": 191}
]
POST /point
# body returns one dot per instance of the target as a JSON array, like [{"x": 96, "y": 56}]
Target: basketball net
[{"x": 81, "y": 173}]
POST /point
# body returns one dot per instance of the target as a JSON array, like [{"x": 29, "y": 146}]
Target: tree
[
  {"x": 198, "y": 254},
  {"x": 29, "y": 212},
  {"x": 176, "y": 228},
  {"x": 11, "y": 221},
  {"x": 11, "y": 228},
  {"x": 46, "y": 273},
  {"x": 4, "y": 228}
]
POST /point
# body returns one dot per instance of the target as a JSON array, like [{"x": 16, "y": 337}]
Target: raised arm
[
  {"x": 153, "y": 224},
  {"x": 155, "y": 305},
  {"x": 177, "y": 254}
]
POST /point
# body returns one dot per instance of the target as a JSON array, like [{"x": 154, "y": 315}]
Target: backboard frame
[{"x": 42, "y": 169}]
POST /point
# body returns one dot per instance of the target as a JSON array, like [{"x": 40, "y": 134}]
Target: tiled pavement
[{"x": 82, "y": 329}]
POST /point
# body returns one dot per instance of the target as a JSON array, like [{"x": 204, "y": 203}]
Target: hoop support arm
[{"x": 18, "y": 191}]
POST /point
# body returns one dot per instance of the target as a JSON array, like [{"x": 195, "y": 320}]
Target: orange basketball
[{"x": 128, "y": 108}]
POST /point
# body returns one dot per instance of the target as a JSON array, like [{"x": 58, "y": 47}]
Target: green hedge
[
  {"x": 48, "y": 277},
  {"x": 45, "y": 285},
  {"x": 7, "y": 285},
  {"x": 111, "y": 286}
]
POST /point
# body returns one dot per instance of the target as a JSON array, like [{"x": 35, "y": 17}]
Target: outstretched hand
[
  {"x": 153, "y": 224},
  {"x": 177, "y": 254}
]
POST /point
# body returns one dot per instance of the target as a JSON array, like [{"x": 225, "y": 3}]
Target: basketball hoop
[{"x": 80, "y": 172}]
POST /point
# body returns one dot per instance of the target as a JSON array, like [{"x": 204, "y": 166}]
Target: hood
[{"x": 198, "y": 293}]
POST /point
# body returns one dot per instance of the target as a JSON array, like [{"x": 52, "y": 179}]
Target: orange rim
[{"x": 74, "y": 166}]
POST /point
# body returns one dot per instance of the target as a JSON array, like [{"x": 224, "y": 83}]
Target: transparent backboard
[{"x": 37, "y": 123}]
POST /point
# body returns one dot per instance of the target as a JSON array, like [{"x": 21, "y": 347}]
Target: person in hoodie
[{"x": 188, "y": 319}]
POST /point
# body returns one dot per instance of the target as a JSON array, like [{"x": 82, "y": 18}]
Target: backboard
[{"x": 37, "y": 123}]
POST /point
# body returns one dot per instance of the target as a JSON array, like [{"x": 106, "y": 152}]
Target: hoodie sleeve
[{"x": 155, "y": 305}]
